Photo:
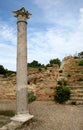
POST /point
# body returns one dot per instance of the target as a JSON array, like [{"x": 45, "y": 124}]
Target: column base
[{"x": 22, "y": 117}]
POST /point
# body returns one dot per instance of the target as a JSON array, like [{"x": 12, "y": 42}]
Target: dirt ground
[{"x": 51, "y": 116}]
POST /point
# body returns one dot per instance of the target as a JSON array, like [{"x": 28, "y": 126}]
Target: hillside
[{"x": 44, "y": 81}]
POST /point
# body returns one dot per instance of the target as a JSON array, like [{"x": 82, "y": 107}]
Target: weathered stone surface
[
  {"x": 41, "y": 83},
  {"x": 8, "y": 88},
  {"x": 44, "y": 82},
  {"x": 73, "y": 73}
]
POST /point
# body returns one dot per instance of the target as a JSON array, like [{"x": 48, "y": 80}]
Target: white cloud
[
  {"x": 46, "y": 45},
  {"x": 7, "y": 46},
  {"x": 54, "y": 43},
  {"x": 8, "y": 56},
  {"x": 57, "y": 12},
  {"x": 7, "y": 32},
  {"x": 47, "y": 4}
]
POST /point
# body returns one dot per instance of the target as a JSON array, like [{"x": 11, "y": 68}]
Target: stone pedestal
[
  {"x": 21, "y": 91},
  {"x": 22, "y": 117}
]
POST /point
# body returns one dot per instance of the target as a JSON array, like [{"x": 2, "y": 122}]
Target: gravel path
[{"x": 51, "y": 116}]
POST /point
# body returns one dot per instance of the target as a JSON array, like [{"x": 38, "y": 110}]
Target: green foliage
[
  {"x": 31, "y": 97},
  {"x": 62, "y": 82},
  {"x": 35, "y": 64},
  {"x": 80, "y": 55},
  {"x": 62, "y": 91},
  {"x": 62, "y": 94},
  {"x": 76, "y": 57},
  {"x": 5, "y": 72},
  {"x": 49, "y": 65},
  {"x": 55, "y": 61},
  {"x": 2, "y": 70},
  {"x": 81, "y": 63}
]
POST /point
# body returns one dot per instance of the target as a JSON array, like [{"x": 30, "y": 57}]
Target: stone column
[{"x": 21, "y": 91}]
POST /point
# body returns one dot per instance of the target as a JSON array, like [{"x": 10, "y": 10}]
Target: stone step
[
  {"x": 76, "y": 87},
  {"x": 77, "y": 102},
  {"x": 77, "y": 91},
  {"x": 77, "y": 83},
  {"x": 77, "y": 95},
  {"x": 76, "y": 98}
]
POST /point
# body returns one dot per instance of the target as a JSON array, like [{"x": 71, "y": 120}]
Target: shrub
[
  {"x": 31, "y": 97},
  {"x": 49, "y": 65},
  {"x": 76, "y": 57},
  {"x": 81, "y": 63},
  {"x": 62, "y": 94},
  {"x": 55, "y": 61},
  {"x": 35, "y": 64},
  {"x": 62, "y": 82}
]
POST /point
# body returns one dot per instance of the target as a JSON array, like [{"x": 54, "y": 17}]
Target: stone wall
[
  {"x": 8, "y": 92},
  {"x": 8, "y": 87},
  {"x": 40, "y": 81},
  {"x": 44, "y": 81}
]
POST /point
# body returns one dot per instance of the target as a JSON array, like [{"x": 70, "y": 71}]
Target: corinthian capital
[{"x": 22, "y": 12}]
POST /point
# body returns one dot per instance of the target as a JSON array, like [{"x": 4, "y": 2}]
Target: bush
[
  {"x": 76, "y": 57},
  {"x": 62, "y": 94},
  {"x": 31, "y": 97},
  {"x": 81, "y": 63},
  {"x": 35, "y": 64},
  {"x": 62, "y": 82},
  {"x": 55, "y": 61}
]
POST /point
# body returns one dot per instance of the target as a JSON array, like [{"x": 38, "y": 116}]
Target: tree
[
  {"x": 2, "y": 70},
  {"x": 6, "y": 72},
  {"x": 80, "y": 55},
  {"x": 35, "y": 64},
  {"x": 55, "y": 61}
]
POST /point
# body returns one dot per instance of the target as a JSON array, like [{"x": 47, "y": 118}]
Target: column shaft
[{"x": 22, "y": 68}]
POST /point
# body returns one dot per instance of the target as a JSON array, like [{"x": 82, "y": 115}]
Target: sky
[{"x": 55, "y": 30}]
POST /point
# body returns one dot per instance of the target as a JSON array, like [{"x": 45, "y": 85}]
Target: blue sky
[{"x": 55, "y": 30}]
